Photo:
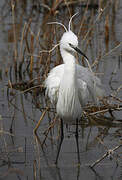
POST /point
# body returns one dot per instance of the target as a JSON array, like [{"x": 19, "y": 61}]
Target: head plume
[
  {"x": 58, "y": 24},
  {"x": 69, "y": 28}
]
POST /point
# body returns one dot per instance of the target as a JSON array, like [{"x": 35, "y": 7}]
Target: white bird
[{"x": 70, "y": 86}]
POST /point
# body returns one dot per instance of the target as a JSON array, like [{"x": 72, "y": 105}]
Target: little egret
[{"x": 70, "y": 86}]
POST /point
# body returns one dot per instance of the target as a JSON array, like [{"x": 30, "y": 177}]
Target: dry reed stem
[
  {"x": 10, "y": 84},
  {"x": 27, "y": 90},
  {"x": 107, "y": 54},
  {"x": 117, "y": 91},
  {"x": 26, "y": 35},
  {"x": 49, "y": 51},
  {"x": 83, "y": 19},
  {"x": 47, "y": 131},
  {"x": 14, "y": 29},
  {"x": 108, "y": 153},
  {"x": 116, "y": 98},
  {"x": 7, "y": 133},
  {"x": 34, "y": 170},
  {"x": 96, "y": 21},
  {"x": 88, "y": 40},
  {"x": 21, "y": 42},
  {"x": 38, "y": 155},
  {"x": 31, "y": 50},
  {"x": 106, "y": 110},
  {"x": 41, "y": 118},
  {"x": 23, "y": 110},
  {"x": 56, "y": 5},
  {"x": 67, "y": 5},
  {"x": 73, "y": 2},
  {"x": 16, "y": 107},
  {"x": 107, "y": 32}
]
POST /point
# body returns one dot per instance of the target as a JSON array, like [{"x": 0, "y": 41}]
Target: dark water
[{"x": 21, "y": 155}]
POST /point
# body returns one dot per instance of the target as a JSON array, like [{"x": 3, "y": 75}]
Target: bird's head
[{"x": 69, "y": 41}]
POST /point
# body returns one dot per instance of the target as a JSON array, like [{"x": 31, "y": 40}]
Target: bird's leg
[
  {"x": 77, "y": 143},
  {"x": 61, "y": 140}
]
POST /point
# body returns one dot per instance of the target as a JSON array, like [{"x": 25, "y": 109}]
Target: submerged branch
[{"x": 108, "y": 153}]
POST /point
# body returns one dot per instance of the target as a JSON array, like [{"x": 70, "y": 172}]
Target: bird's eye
[{"x": 70, "y": 44}]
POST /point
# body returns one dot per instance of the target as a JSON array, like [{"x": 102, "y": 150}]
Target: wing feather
[
  {"x": 89, "y": 86},
  {"x": 52, "y": 82}
]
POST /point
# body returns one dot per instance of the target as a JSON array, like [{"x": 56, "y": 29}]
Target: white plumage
[{"x": 70, "y": 86}]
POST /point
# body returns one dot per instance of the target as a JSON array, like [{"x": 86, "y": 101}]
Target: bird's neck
[
  {"x": 68, "y": 57},
  {"x": 69, "y": 68}
]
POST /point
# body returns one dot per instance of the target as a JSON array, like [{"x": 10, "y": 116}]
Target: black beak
[{"x": 79, "y": 51}]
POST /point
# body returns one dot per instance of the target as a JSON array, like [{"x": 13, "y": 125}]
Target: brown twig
[
  {"x": 41, "y": 118},
  {"x": 106, "y": 110},
  {"x": 47, "y": 131},
  {"x": 108, "y": 153}
]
